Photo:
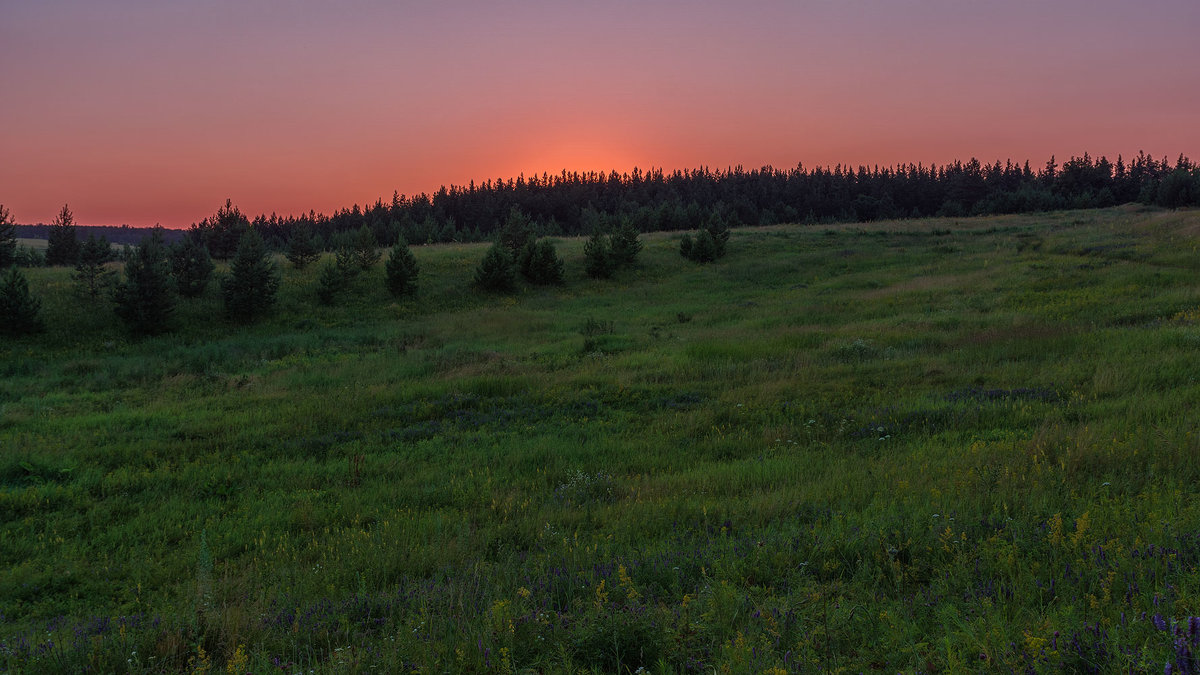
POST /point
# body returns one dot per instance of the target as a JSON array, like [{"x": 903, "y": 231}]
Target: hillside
[{"x": 920, "y": 445}]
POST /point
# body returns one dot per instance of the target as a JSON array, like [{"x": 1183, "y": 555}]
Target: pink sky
[{"x": 146, "y": 112}]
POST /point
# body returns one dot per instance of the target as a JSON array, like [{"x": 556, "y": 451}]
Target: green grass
[
  {"x": 936, "y": 445},
  {"x": 39, "y": 244}
]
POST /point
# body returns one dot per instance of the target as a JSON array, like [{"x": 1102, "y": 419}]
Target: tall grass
[{"x": 924, "y": 446}]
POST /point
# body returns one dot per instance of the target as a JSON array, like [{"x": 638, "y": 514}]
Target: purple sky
[{"x": 156, "y": 112}]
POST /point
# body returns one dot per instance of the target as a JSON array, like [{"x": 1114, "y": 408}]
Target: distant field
[
  {"x": 32, "y": 243},
  {"x": 945, "y": 445}
]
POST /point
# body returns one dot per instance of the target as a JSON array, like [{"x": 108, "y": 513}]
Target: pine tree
[
  {"x": 496, "y": 271},
  {"x": 540, "y": 264},
  {"x": 18, "y": 308},
  {"x": 91, "y": 278},
  {"x": 303, "y": 248},
  {"x": 223, "y": 232},
  {"x": 598, "y": 257},
  {"x": 253, "y": 280},
  {"x": 625, "y": 244},
  {"x": 347, "y": 263},
  {"x": 706, "y": 247},
  {"x": 366, "y": 248},
  {"x": 62, "y": 247},
  {"x": 717, "y": 228},
  {"x": 330, "y": 283},
  {"x": 192, "y": 266},
  {"x": 145, "y": 300},
  {"x": 709, "y": 243},
  {"x": 8, "y": 238},
  {"x": 516, "y": 232},
  {"x": 401, "y": 269}
]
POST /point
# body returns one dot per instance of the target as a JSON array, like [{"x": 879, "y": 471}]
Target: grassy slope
[{"x": 915, "y": 445}]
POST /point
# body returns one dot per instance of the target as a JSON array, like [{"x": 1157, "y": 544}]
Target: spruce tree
[
  {"x": 496, "y": 271},
  {"x": 62, "y": 247},
  {"x": 8, "y": 238},
  {"x": 303, "y": 248},
  {"x": 253, "y": 280},
  {"x": 192, "y": 266},
  {"x": 91, "y": 278},
  {"x": 145, "y": 300},
  {"x": 597, "y": 257},
  {"x": 401, "y": 269},
  {"x": 18, "y": 308}
]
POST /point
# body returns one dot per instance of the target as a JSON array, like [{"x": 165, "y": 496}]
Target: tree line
[
  {"x": 518, "y": 213},
  {"x": 578, "y": 204}
]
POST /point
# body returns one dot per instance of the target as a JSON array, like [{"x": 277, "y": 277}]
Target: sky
[{"x": 156, "y": 111}]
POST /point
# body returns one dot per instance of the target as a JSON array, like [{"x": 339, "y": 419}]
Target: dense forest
[{"x": 580, "y": 203}]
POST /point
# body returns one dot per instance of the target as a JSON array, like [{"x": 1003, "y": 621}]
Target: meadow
[{"x": 943, "y": 445}]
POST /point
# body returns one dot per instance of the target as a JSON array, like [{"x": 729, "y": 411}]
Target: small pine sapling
[
  {"x": 249, "y": 290},
  {"x": 496, "y": 272},
  {"x": 597, "y": 257},
  {"x": 401, "y": 270},
  {"x": 145, "y": 300},
  {"x": 18, "y": 308}
]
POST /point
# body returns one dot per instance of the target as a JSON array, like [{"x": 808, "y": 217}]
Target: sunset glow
[{"x": 145, "y": 112}]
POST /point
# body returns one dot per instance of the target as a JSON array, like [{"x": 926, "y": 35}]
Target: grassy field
[
  {"x": 948, "y": 445},
  {"x": 39, "y": 244}
]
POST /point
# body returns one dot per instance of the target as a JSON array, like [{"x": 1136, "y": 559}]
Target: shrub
[
  {"x": 496, "y": 271},
  {"x": 250, "y": 289},
  {"x": 18, "y": 308},
  {"x": 401, "y": 270},
  {"x": 145, "y": 300}
]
